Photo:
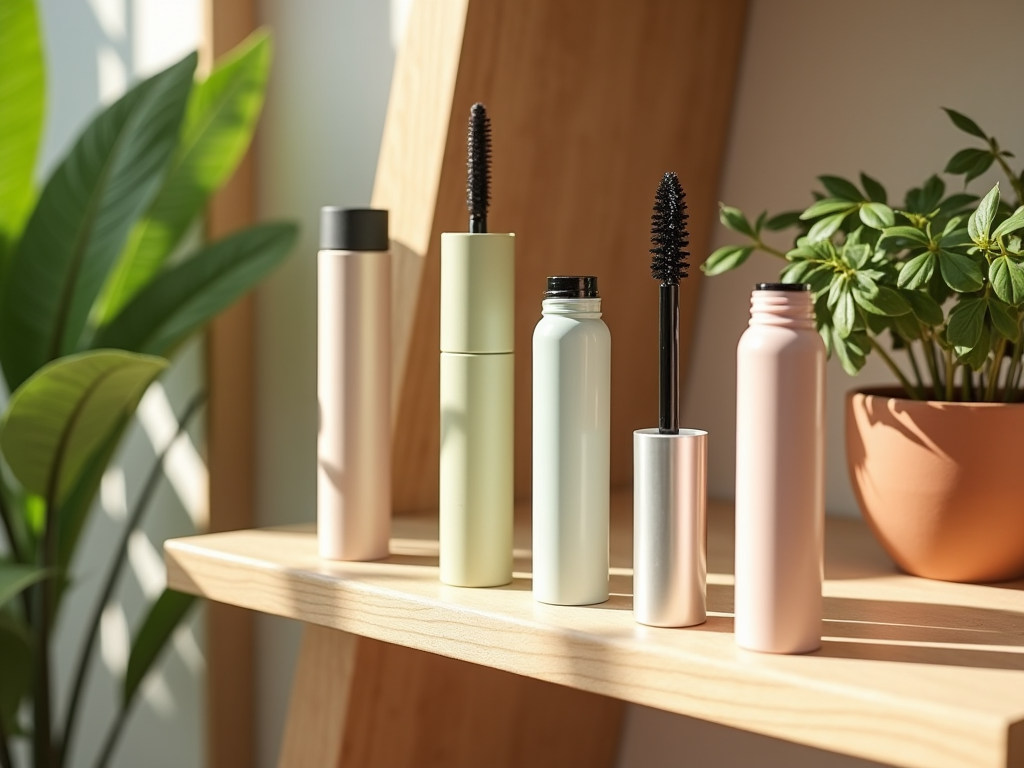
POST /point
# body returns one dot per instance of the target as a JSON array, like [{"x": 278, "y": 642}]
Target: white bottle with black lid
[
  {"x": 571, "y": 421},
  {"x": 354, "y": 384}
]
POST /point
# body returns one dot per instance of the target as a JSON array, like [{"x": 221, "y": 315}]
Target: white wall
[
  {"x": 824, "y": 88},
  {"x": 94, "y": 51}
]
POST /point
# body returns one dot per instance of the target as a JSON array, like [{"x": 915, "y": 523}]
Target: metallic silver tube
[{"x": 670, "y": 527}]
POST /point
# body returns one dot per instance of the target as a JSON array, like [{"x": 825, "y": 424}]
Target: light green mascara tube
[{"x": 477, "y": 367}]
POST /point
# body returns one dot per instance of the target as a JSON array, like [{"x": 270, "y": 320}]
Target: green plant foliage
[
  {"x": 23, "y": 97},
  {"x": 185, "y": 297},
  {"x": 82, "y": 219},
  {"x": 15, "y": 578},
  {"x": 891, "y": 269},
  {"x": 86, "y": 286},
  {"x": 219, "y": 123},
  {"x": 165, "y": 614},
  {"x": 15, "y": 667},
  {"x": 65, "y": 412}
]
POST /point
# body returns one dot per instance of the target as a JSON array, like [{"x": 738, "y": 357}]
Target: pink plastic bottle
[{"x": 780, "y": 489}]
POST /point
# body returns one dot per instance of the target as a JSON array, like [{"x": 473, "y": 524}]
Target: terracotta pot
[{"x": 940, "y": 483}]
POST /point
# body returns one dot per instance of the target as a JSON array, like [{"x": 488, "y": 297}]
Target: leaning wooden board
[{"x": 912, "y": 673}]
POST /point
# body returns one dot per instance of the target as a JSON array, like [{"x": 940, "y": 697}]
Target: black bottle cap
[
  {"x": 353, "y": 229},
  {"x": 572, "y": 287},
  {"x": 782, "y": 287}
]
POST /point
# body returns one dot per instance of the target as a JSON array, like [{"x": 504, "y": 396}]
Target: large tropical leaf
[
  {"x": 82, "y": 219},
  {"x": 218, "y": 127},
  {"x": 22, "y": 100},
  {"x": 58, "y": 419},
  {"x": 168, "y": 610},
  {"x": 16, "y": 578},
  {"x": 182, "y": 299},
  {"x": 15, "y": 667}
]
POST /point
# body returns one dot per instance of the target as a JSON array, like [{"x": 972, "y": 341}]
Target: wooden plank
[
  {"x": 230, "y": 363},
  {"x": 590, "y": 102},
  {"x": 321, "y": 693},
  {"x": 914, "y": 673}
]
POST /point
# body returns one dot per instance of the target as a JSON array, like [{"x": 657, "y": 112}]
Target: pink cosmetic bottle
[{"x": 780, "y": 489}]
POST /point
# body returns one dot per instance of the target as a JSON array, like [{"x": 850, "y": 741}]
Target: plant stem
[
  {"x": 112, "y": 737},
  {"x": 5, "y": 753},
  {"x": 1014, "y": 181},
  {"x": 769, "y": 249},
  {"x": 929, "y": 358},
  {"x": 993, "y": 378},
  {"x": 917, "y": 371},
  {"x": 116, "y": 566},
  {"x": 907, "y": 386},
  {"x": 949, "y": 374},
  {"x": 965, "y": 384}
]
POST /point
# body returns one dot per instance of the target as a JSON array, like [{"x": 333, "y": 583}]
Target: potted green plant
[
  {"x": 935, "y": 288},
  {"x": 91, "y": 305}
]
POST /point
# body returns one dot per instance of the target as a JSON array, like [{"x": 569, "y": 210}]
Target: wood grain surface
[
  {"x": 230, "y": 372},
  {"x": 913, "y": 673},
  {"x": 591, "y": 102}
]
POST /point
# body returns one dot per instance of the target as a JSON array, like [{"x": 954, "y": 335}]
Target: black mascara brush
[
  {"x": 478, "y": 182},
  {"x": 669, "y": 265}
]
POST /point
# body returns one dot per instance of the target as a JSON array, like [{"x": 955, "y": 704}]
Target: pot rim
[{"x": 889, "y": 392}]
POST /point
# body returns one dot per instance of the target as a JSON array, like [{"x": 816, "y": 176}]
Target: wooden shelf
[{"x": 912, "y": 672}]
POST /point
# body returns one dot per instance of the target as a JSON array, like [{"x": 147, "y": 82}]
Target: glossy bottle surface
[
  {"x": 780, "y": 442},
  {"x": 571, "y": 422}
]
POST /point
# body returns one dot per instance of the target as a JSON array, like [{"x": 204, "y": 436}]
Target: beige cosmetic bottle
[
  {"x": 354, "y": 384},
  {"x": 780, "y": 489}
]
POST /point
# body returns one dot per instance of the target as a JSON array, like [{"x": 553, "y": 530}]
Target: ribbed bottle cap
[
  {"x": 353, "y": 229},
  {"x": 782, "y": 287},
  {"x": 572, "y": 287}
]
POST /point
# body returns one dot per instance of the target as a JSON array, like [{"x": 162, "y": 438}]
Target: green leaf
[
  {"x": 956, "y": 203},
  {"x": 734, "y": 219},
  {"x": 857, "y": 254},
  {"x": 1012, "y": 224},
  {"x": 759, "y": 224},
  {"x": 165, "y": 614},
  {"x": 917, "y": 271},
  {"x": 848, "y": 352},
  {"x": 782, "y": 221},
  {"x": 958, "y": 238},
  {"x": 964, "y": 123},
  {"x": 726, "y": 258},
  {"x": 76, "y": 507},
  {"x": 977, "y": 355},
  {"x": 1007, "y": 280},
  {"x": 825, "y": 206},
  {"x": 960, "y": 272},
  {"x": 886, "y": 302},
  {"x": 983, "y": 164},
  {"x": 218, "y": 126},
  {"x": 931, "y": 193},
  {"x": 875, "y": 190},
  {"x": 64, "y": 413},
  {"x": 1004, "y": 319},
  {"x": 844, "y": 313},
  {"x": 796, "y": 272},
  {"x": 841, "y": 188},
  {"x": 16, "y": 578},
  {"x": 15, "y": 667},
  {"x": 925, "y": 308},
  {"x": 965, "y": 159},
  {"x": 82, "y": 219},
  {"x": 182, "y": 299},
  {"x": 865, "y": 285},
  {"x": 980, "y": 222},
  {"x": 877, "y": 215},
  {"x": 966, "y": 320},
  {"x": 23, "y": 96},
  {"x": 823, "y": 229},
  {"x": 907, "y": 233}
]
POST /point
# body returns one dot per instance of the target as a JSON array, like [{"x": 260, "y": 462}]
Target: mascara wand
[
  {"x": 669, "y": 265},
  {"x": 478, "y": 182}
]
